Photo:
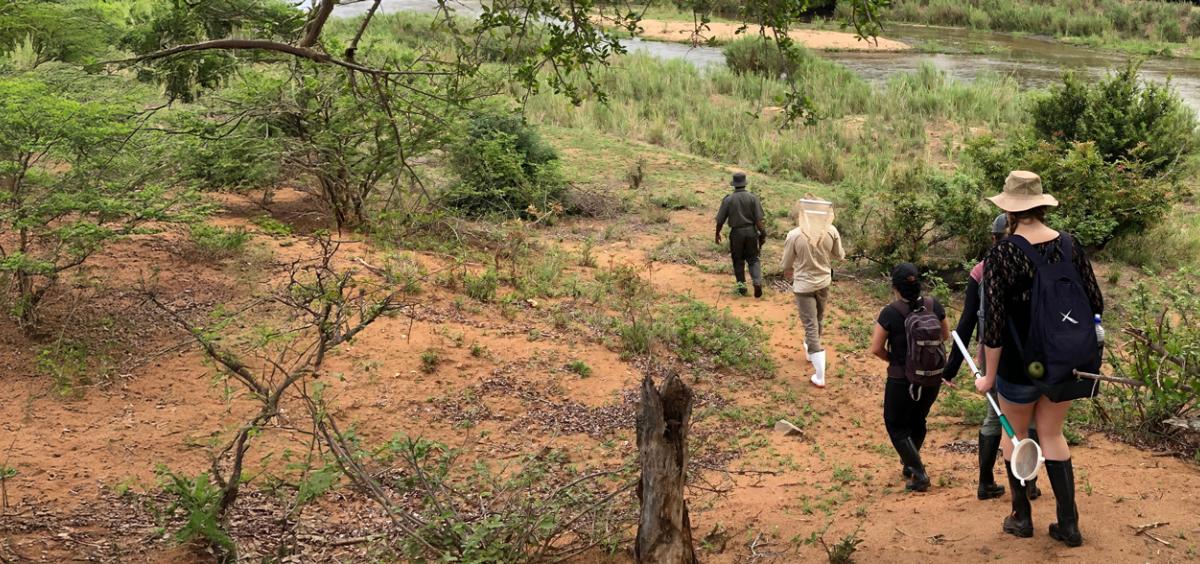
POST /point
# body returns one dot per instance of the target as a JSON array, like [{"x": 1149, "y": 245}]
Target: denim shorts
[{"x": 1017, "y": 393}]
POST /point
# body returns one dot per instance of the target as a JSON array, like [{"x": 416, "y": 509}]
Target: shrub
[
  {"x": 213, "y": 242},
  {"x": 579, "y": 368},
  {"x": 1127, "y": 118},
  {"x": 430, "y": 359},
  {"x": 66, "y": 362},
  {"x": 918, "y": 215},
  {"x": 76, "y": 175},
  {"x": 1099, "y": 200},
  {"x": 1112, "y": 152},
  {"x": 246, "y": 158},
  {"x": 199, "y": 499},
  {"x": 759, "y": 55},
  {"x": 483, "y": 286},
  {"x": 503, "y": 167},
  {"x": 1163, "y": 354}
]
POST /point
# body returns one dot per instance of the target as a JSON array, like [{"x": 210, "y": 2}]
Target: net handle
[{"x": 975, "y": 371}]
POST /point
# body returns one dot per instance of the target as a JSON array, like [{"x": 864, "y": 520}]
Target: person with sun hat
[{"x": 1032, "y": 250}]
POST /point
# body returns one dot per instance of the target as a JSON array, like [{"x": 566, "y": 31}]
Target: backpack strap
[
  {"x": 1038, "y": 259},
  {"x": 1067, "y": 246}
]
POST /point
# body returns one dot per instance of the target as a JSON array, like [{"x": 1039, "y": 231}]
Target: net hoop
[{"x": 1026, "y": 460}]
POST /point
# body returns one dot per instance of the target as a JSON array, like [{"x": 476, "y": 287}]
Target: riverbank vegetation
[{"x": 1141, "y": 26}]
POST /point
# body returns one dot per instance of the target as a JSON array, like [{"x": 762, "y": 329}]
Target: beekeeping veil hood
[{"x": 813, "y": 217}]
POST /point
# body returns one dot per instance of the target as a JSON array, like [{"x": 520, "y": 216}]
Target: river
[{"x": 1032, "y": 61}]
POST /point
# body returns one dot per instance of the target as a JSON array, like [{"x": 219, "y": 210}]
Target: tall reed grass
[
  {"x": 735, "y": 118},
  {"x": 1126, "y": 19}
]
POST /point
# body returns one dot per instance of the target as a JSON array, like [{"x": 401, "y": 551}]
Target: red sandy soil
[{"x": 162, "y": 405}]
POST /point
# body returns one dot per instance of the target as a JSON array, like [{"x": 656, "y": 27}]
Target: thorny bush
[{"x": 1162, "y": 350}]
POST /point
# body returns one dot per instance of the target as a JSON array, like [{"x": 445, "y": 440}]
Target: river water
[{"x": 1033, "y": 62}]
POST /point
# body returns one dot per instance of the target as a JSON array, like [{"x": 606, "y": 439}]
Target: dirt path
[
  {"x": 1118, "y": 486},
  {"x": 685, "y": 32}
]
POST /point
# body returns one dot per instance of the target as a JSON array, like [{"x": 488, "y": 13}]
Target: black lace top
[{"x": 1008, "y": 281}]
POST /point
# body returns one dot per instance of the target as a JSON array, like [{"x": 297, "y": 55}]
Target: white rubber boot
[
  {"x": 807, "y": 356},
  {"x": 818, "y": 362}
]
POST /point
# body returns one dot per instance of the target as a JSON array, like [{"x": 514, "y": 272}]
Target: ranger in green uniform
[{"x": 747, "y": 232}]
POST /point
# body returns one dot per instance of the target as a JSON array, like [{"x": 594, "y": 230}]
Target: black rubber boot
[
  {"x": 919, "y": 482},
  {"x": 758, "y": 290},
  {"x": 1031, "y": 485},
  {"x": 1020, "y": 522},
  {"x": 1062, "y": 480},
  {"x": 988, "y": 448}
]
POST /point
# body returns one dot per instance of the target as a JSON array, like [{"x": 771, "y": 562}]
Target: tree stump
[{"x": 664, "y": 531}]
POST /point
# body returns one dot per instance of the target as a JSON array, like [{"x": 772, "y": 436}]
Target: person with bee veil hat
[{"x": 808, "y": 255}]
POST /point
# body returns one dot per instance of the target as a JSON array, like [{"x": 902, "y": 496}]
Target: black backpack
[
  {"x": 925, "y": 360},
  {"x": 1062, "y": 335}
]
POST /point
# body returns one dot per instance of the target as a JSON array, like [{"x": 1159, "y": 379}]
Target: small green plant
[
  {"x": 843, "y": 551},
  {"x": 430, "y": 359},
  {"x": 482, "y": 287},
  {"x": 406, "y": 272},
  {"x": 199, "y": 499},
  {"x": 271, "y": 226},
  {"x": 579, "y": 368},
  {"x": 843, "y": 474},
  {"x": 66, "y": 362},
  {"x": 586, "y": 257},
  {"x": 479, "y": 351},
  {"x": 213, "y": 242}
]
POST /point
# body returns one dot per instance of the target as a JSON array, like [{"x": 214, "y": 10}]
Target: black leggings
[{"x": 903, "y": 417}]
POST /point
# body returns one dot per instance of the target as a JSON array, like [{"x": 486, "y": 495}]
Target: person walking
[
  {"x": 808, "y": 253},
  {"x": 910, "y": 335},
  {"x": 1029, "y": 277},
  {"x": 747, "y": 232},
  {"x": 989, "y": 431}
]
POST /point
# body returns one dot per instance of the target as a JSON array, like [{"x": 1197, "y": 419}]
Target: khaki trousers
[{"x": 811, "y": 306}]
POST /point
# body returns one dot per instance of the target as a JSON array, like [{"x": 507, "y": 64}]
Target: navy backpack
[{"x": 1062, "y": 335}]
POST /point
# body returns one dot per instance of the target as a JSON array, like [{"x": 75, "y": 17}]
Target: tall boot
[
  {"x": 989, "y": 446},
  {"x": 807, "y": 356},
  {"x": 1034, "y": 492},
  {"x": 1020, "y": 522},
  {"x": 1062, "y": 480},
  {"x": 818, "y": 362},
  {"x": 919, "y": 482}
]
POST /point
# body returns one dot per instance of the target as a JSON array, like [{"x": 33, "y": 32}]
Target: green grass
[
  {"x": 430, "y": 359},
  {"x": 1168, "y": 246},
  {"x": 965, "y": 405},
  {"x": 213, "y": 242},
  {"x": 1141, "y": 28},
  {"x": 1167, "y": 22},
  {"x": 719, "y": 115},
  {"x": 579, "y": 368}
]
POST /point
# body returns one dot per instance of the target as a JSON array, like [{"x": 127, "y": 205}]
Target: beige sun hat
[{"x": 1022, "y": 191}]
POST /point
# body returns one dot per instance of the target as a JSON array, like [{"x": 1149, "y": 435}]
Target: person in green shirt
[{"x": 747, "y": 232}]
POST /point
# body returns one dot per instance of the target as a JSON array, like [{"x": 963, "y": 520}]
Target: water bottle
[{"x": 1099, "y": 330}]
